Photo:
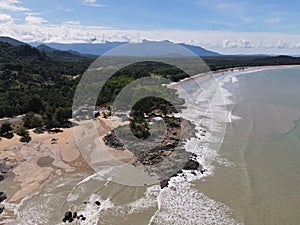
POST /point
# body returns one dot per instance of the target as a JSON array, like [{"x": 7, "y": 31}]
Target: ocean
[{"x": 251, "y": 151}]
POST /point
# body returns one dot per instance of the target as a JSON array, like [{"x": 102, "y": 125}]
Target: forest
[{"x": 42, "y": 86}]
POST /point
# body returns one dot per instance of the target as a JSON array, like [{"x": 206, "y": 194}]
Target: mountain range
[{"x": 101, "y": 48}]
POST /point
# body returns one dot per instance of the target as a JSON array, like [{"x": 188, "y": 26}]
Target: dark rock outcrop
[
  {"x": 112, "y": 141},
  {"x": 97, "y": 203},
  {"x": 164, "y": 183},
  {"x": 191, "y": 165},
  {"x": 2, "y": 210},
  {"x": 74, "y": 215},
  {"x": 2, "y": 196},
  {"x": 68, "y": 217}
]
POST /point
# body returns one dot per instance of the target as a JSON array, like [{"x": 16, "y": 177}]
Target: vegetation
[
  {"x": 33, "y": 83},
  {"x": 24, "y": 133},
  {"x": 42, "y": 87},
  {"x": 5, "y": 129}
]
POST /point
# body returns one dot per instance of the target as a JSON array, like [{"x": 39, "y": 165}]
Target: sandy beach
[
  {"x": 36, "y": 161},
  {"x": 57, "y": 153},
  {"x": 50, "y": 153}
]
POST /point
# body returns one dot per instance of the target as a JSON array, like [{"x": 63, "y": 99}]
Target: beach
[{"x": 219, "y": 149}]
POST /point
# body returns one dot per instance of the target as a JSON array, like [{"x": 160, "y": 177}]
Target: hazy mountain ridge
[{"x": 101, "y": 48}]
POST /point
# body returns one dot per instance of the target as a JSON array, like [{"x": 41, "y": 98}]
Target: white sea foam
[
  {"x": 92, "y": 211},
  {"x": 179, "y": 203}
]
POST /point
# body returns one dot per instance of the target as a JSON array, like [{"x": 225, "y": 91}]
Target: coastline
[
  {"x": 30, "y": 176},
  {"x": 229, "y": 71},
  {"x": 66, "y": 156},
  {"x": 34, "y": 162}
]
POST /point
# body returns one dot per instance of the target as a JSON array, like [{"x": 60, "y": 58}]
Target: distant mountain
[
  {"x": 84, "y": 48},
  {"x": 59, "y": 54},
  {"x": 11, "y": 41},
  {"x": 101, "y": 48},
  {"x": 199, "y": 51}
]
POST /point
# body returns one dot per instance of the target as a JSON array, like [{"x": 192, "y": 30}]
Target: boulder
[
  {"x": 68, "y": 217},
  {"x": 1, "y": 209},
  {"x": 191, "y": 165},
  {"x": 164, "y": 183},
  {"x": 97, "y": 203},
  {"x": 74, "y": 215},
  {"x": 2, "y": 196}
]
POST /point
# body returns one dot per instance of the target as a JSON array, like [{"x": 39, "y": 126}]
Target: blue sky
[{"x": 216, "y": 24}]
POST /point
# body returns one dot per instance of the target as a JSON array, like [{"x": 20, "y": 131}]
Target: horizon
[{"x": 226, "y": 27}]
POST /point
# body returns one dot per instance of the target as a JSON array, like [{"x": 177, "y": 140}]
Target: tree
[
  {"x": 62, "y": 115},
  {"x": 32, "y": 121},
  {"x": 23, "y": 132},
  {"x": 5, "y": 129}
]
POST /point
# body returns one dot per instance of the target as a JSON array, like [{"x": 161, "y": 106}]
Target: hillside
[
  {"x": 35, "y": 80},
  {"x": 32, "y": 81},
  {"x": 59, "y": 54},
  {"x": 11, "y": 41}
]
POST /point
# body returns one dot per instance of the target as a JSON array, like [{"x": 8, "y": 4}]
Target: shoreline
[
  {"x": 229, "y": 71},
  {"x": 30, "y": 176},
  {"x": 34, "y": 162}
]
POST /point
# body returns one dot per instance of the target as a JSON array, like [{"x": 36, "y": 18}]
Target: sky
[{"x": 225, "y": 26}]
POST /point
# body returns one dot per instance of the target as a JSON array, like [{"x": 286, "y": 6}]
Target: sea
[{"x": 248, "y": 140}]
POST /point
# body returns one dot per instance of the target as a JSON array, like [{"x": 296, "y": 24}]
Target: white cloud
[
  {"x": 273, "y": 20},
  {"x": 281, "y": 44},
  {"x": 93, "y": 3},
  {"x": 240, "y": 43},
  {"x": 5, "y": 18},
  {"x": 34, "y": 20},
  {"x": 90, "y": 1},
  {"x": 225, "y": 42},
  {"x": 12, "y": 5},
  {"x": 71, "y": 22}
]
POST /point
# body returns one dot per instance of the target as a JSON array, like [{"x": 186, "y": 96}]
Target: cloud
[
  {"x": 93, "y": 3},
  {"x": 281, "y": 44},
  {"x": 12, "y": 5},
  {"x": 226, "y": 42},
  {"x": 240, "y": 43},
  {"x": 71, "y": 22},
  {"x": 34, "y": 20},
  {"x": 5, "y": 18},
  {"x": 273, "y": 20},
  {"x": 90, "y": 1}
]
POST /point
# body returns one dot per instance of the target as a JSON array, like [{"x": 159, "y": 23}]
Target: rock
[
  {"x": 2, "y": 196},
  {"x": 97, "y": 203},
  {"x": 1, "y": 177},
  {"x": 83, "y": 218},
  {"x": 112, "y": 141},
  {"x": 1, "y": 209},
  {"x": 164, "y": 183},
  {"x": 74, "y": 215},
  {"x": 68, "y": 217},
  {"x": 191, "y": 165},
  {"x": 4, "y": 170}
]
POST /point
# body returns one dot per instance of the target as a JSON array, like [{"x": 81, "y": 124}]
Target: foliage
[
  {"x": 32, "y": 121},
  {"x": 4, "y": 129},
  {"x": 23, "y": 132},
  {"x": 31, "y": 81}
]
